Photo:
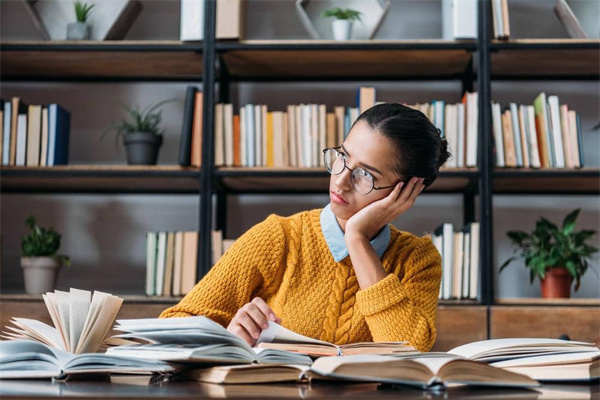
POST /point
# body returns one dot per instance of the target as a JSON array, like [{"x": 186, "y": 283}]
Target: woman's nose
[{"x": 344, "y": 180}]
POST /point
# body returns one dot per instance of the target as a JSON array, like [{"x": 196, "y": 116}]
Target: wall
[{"x": 108, "y": 231}]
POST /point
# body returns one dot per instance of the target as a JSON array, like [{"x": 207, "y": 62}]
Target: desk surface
[{"x": 140, "y": 387}]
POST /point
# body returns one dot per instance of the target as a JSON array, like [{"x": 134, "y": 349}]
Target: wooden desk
[{"x": 140, "y": 387}]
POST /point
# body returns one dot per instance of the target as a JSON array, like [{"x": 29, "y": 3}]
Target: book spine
[{"x": 185, "y": 142}]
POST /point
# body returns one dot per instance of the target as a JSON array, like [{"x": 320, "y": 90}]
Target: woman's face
[{"x": 375, "y": 154}]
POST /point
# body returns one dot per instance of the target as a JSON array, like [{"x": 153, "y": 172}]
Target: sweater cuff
[{"x": 384, "y": 294}]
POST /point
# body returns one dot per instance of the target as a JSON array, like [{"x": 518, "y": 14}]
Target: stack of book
[
  {"x": 460, "y": 260},
  {"x": 543, "y": 135},
  {"x": 33, "y": 135},
  {"x": 258, "y": 137},
  {"x": 500, "y": 20},
  {"x": 171, "y": 261}
]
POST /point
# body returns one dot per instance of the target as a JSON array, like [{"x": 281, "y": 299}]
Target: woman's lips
[{"x": 336, "y": 198}]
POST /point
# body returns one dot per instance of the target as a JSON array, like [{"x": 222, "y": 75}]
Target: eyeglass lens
[{"x": 362, "y": 181}]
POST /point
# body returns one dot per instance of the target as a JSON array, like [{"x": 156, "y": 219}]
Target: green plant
[
  {"x": 348, "y": 13},
  {"x": 549, "y": 246},
  {"x": 140, "y": 120},
  {"x": 41, "y": 242},
  {"x": 82, "y": 10}
]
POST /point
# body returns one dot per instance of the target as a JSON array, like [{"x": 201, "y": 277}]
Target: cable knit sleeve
[
  {"x": 250, "y": 268},
  {"x": 398, "y": 310}
]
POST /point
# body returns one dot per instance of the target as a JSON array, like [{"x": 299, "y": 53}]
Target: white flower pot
[
  {"x": 40, "y": 273},
  {"x": 342, "y": 29}
]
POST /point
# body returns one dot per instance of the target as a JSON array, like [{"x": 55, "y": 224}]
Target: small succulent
[
  {"x": 82, "y": 10},
  {"x": 348, "y": 13}
]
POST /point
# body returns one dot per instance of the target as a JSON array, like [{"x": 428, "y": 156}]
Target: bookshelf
[{"x": 218, "y": 63}]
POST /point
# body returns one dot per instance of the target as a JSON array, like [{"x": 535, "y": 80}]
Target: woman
[{"x": 340, "y": 274}]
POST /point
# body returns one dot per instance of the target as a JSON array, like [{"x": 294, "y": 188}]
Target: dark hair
[{"x": 419, "y": 144}]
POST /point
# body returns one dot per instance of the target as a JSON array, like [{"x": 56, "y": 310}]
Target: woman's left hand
[{"x": 368, "y": 221}]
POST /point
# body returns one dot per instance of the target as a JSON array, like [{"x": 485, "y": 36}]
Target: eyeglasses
[{"x": 362, "y": 181}]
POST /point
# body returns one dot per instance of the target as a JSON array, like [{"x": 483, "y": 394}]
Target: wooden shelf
[
  {"x": 127, "y": 298},
  {"x": 353, "y": 60},
  {"x": 100, "y": 60},
  {"x": 100, "y": 179},
  {"x": 547, "y": 302},
  {"x": 546, "y": 181},
  {"x": 545, "y": 59},
  {"x": 316, "y": 180}
]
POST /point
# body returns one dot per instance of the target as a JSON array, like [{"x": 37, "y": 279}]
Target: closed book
[
  {"x": 446, "y": 232},
  {"x": 161, "y": 254},
  {"x": 278, "y": 139},
  {"x": 292, "y": 140},
  {"x": 450, "y": 125},
  {"x": 34, "y": 135},
  {"x": 509, "y": 140},
  {"x": 497, "y": 21},
  {"x": 151, "y": 242},
  {"x": 219, "y": 136},
  {"x": 230, "y": 18},
  {"x": 474, "y": 232},
  {"x": 270, "y": 150},
  {"x": 576, "y": 140},
  {"x": 44, "y": 144},
  {"x": 579, "y": 139},
  {"x": 259, "y": 135},
  {"x": 59, "y": 127},
  {"x": 556, "y": 128},
  {"x": 543, "y": 131},
  {"x": 516, "y": 133},
  {"x": 457, "y": 267},
  {"x": 299, "y": 137},
  {"x": 459, "y": 19},
  {"x": 177, "y": 264},
  {"x": 365, "y": 98},
  {"x": 192, "y": 20},
  {"x": 438, "y": 114},
  {"x": 228, "y": 130},
  {"x": 532, "y": 136},
  {"x": 322, "y": 134},
  {"x": 472, "y": 131},
  {"x": 17, "y": 107},
  {"x": 306, "y": 137},
  {"x": 21, "y": 147},
  {"x": 523, "y": 133},
  {"x": 331, "y": 130},
  {"x": 505, "y": 19},
  {"x": 243, "y": 140},
  {"x": 285, "y": 140},
  {"x": 466, "y": 285},
  {"x": 189, "y": 262},
  {"x": 169, "y": 265},
  {"x": 339, "y": 120},
  {"x": 263, "y": 111},
  {"x": 566, "y": 136},
  {"x": 7, "y": 138},
  {"x": 314, "y": 135},
  {"x": 498, "y": 134},
  {"x": 237, "y": 142},
  {"x": 460, "y": 132},
  {"x": 249, "y": 134},
  {"x": 185, "y": 141},
  {"x": 197, "y": 128}
]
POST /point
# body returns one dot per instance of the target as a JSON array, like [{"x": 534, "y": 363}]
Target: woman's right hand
[{"x": 251, "y": 320}]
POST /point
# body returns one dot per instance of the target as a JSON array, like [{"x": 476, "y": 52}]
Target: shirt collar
[{"x": 334, "y": 236}]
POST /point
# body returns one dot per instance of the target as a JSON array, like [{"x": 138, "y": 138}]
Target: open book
[
  {"x": 81, "y": 321},
  {"x": 542, "y": 359},
  {"x": 278, "y": 337},
  {"x": 426, "y": 371},
  {"x": 26, "y": 359},
  {"x": 193, "y": 340}
]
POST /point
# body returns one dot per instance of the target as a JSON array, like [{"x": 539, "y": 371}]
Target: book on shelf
[
  {"x": 425, "y": 371},
  {"x": 459, "y": 19},
  {"x": 26, "y": 359},
  {"x": 460, "y": 260},
  {"x": 568, "y": 19},
  {"x": 279, "y": 337},
  {"x": 185, "y": 144},
  {"x": 193, "y": 340},
  {"x": 229, "y": 20},
  {"x": 539, "y": 358},
  {"x": 81, "y": 321}
]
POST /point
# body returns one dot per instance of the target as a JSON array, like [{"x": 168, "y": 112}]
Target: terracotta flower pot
[{"x": 557, "y": 283}]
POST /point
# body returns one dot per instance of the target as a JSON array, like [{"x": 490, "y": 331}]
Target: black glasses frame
[{"x": 352, "y": 172}]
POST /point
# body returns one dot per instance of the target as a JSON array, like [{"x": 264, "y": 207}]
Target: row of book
[
  {"x": 258, "y": 137},
  {"x": 543, "y": 135},
  {"x": 460, "y": 260},
  {"x": 171, "y": 261},
  {"x": 33, "y": 135}
]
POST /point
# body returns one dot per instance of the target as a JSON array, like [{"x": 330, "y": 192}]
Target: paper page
[
  {"x": 277, "y": 333},
  {"x": 97, "y": 333},
  {"x": 79, "y": 305},
  {"x": 473, "y": 350},
  {"x": 434, "y": 363},
  {"x": 550, "y": 359},
  {"x": 96, "y": 305},
  {"x": 62, "y": 305},
  {"x": 50, "y": 334},
  {"x": 50, "y": 300}
]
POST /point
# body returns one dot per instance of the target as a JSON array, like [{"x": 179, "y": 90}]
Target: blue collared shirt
[{"x": 334, "y": 236}]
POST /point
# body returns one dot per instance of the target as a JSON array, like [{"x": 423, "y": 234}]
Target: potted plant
[
  {"x": 40, "y": 261},
  {"x": 342, "y": 25},
  {"x": 80, "y": 30},
  {"x": 141, "y": 133},
  {"x": 556, "y": 255}
]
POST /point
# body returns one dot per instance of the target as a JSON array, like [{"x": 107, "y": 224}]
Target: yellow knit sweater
[{"x": 286, "y": 262}]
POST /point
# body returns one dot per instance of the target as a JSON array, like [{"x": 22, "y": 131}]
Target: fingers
[{"x": 251, "y": 320}]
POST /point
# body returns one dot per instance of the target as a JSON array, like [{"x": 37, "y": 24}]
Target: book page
[
  {"x": 550, "y": 359},
  {"x": 79, "y": 305},
  {"x": 108, "y": 312},
  {"x": 92, "y": 316},
  {"x": 50, "y": 300},
  {"x": 44, "y": 332},
  {"x": 61, "y": 300},
  {"x": 488, "y": 347},
  {"x": 277, "y": 333}
]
